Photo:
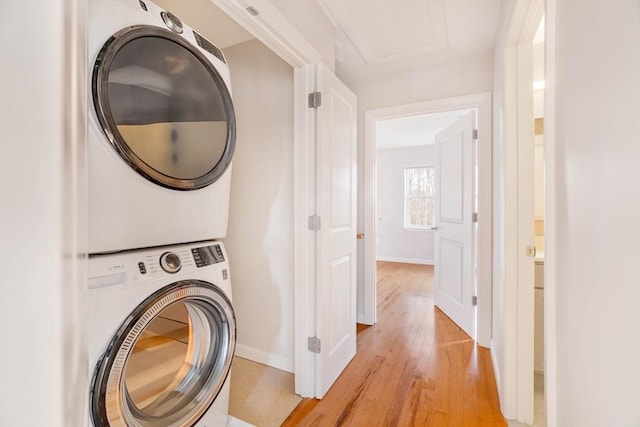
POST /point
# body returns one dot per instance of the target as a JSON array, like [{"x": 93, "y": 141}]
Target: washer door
[
  {"x": 168, "y": 360},
  {"x": 164, "y": 107}
]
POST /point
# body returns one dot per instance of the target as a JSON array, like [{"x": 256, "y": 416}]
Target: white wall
[
  {"x": 597, "y": 153},
  {"x": 405, "y": 84},
  {"x": 393, "y": 241},
  {"x": 260, "y": 235},
  {"x": 44, "y": 377}
]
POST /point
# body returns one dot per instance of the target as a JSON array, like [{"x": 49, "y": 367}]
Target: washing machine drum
[
  {"x": 168, "y": 360},
  {"x": 164, "y": 107}
]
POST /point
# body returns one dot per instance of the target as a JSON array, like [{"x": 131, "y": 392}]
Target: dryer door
[
  {"x": 164, "y": 107},
  {"x": 168, "y": 360}
]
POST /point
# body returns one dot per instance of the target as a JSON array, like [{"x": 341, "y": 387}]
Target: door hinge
[
  {"x": 475, "y": 134},
  {"x": 531, "y": 251},
  {"x": 474, "y": 217},
  {"x": 315, "y": 99},
  {"x": 474, "y": 300},
  {"x": 314, "y": 223},
  {"x": 313, "y": 344}
]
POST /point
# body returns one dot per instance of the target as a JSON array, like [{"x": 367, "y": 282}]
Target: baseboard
[
  {"x": 406, "y": 260},
  {"x": 361, "y": 318},
  {"x": 269, "y": 359},
  {"x": 496, "y": 373}
]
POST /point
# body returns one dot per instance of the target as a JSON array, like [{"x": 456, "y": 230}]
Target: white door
[
  {"x": 453, "y": 272},
  {"x": 336, "y": 206}
]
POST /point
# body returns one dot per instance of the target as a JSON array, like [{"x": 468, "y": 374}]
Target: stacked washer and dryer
[{"x": 161, "y": 136}]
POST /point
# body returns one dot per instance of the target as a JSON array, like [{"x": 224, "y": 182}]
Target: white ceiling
[
  {"x": 413, "y": 131},
  {"x": 373, "y": 27},
  {"x": 392, "y": 31},
  {"x": 374, "y": 34}
]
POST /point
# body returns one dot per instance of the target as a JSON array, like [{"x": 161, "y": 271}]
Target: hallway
[{"x": 415, "y": 367}]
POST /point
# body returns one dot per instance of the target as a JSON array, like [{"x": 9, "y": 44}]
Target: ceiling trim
[{"x": 340, "y": 17}]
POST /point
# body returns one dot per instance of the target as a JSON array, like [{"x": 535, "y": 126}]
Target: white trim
[
  {"x": 406, "y": 260},
  {"x": 304, "y": 240},
  {"x": 272, "y": 29},
  {"x": 481, "y": 102},
  {"x": 525, "y": 233},
  {"x": 74, "y": 224},
  {"x": 550, "y": 248},
  {"x": 516, "y": 389},
  {"x": 269, "y": 359},
  {"x": 496, "y": 369}
]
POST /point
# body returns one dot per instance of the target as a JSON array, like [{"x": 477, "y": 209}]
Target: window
[{"x": 419, "y": 197}]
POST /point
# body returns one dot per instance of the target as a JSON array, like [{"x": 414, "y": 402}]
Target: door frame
[
  {"x": 516, "y": 389},
  {"x": 482, "y": 103},
  {"x": 271, "y": 28}
]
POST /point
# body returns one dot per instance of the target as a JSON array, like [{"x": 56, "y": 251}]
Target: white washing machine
[
  {"x": 162, "y": 335},
  {"x": 161, "y": 130}
]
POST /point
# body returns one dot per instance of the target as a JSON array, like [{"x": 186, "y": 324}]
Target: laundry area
[
  {"x": 184, "y": 198},
  {"x": 161, "y": 324},
  {"x": 190, "y": 233}
]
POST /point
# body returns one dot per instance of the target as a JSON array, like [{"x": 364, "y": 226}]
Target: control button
[
  {"x": 170, "y": 262},
  {"x": 225, "y": 275},
  {"x": 172, "y": 22},
  {"x": 142, "y": 268}
]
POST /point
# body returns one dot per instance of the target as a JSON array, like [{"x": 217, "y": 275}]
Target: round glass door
[
  {"x": 164, "y": 107},
  {"x": 168, "y": 361}
]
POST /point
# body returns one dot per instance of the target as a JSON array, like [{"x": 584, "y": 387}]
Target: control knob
[{"x": 170, "y": 262}]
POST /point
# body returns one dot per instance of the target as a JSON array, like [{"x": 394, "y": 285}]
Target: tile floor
[{"x": 261, "y": 395}]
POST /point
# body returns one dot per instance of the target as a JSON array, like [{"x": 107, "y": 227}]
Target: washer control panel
[
  {"x": 107, "y": 270},
  {"x": 207, "y": 255}
]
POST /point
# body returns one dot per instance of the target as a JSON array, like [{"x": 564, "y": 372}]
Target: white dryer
[
  {"x": 162, "y": 334},
  {"x": 161, "y": 130}
]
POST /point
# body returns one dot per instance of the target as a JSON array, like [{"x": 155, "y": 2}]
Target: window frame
[{"x": 406, "y": 220}]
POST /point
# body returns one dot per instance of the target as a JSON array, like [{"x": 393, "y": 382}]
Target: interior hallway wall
[
  {"x": 406, "y": 83},
  {"x": 394, "y": 242},
  {"x": 260, "y": 235},
  {"x": 597, "y": 260},
  {"x": 45, "y": 374}
]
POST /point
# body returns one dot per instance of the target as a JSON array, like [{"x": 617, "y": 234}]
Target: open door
[
  {"x": 336, "y": 207},
  {"x": 453, "y": 273}
]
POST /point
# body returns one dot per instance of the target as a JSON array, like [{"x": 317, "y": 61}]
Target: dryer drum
[
  {"x": 168, "y": 361},
  {"x": 164, "y": 107}
]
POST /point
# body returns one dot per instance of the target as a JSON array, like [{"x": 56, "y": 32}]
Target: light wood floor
[{"x": 415, "y": 367}]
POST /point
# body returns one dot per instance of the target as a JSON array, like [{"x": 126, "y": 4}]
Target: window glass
[
  {"x": 419, "y": 197},
  {"x": 168, "y": 107}
]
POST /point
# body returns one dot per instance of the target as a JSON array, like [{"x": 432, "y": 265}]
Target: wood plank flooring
[{"x": 415, "y": 367}]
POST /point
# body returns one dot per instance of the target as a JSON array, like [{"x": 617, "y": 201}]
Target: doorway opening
[
  {"x": 425, "y": 200},
  {"x": 481, "y": 104}
]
